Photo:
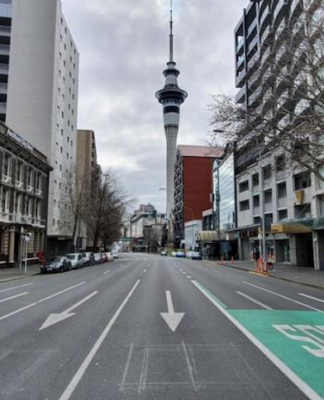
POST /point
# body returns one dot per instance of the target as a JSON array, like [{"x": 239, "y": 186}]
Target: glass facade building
[{"x": 226, "y": 189}]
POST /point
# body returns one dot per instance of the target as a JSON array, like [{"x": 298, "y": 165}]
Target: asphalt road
[{"x": 151, "y": 327}]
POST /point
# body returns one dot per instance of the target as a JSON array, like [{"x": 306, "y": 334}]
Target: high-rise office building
[
  {"x": 171, "y": 97},
  {"x": 39, "y": 93}
]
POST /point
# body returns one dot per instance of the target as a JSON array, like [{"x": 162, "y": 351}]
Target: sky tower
[{"x": 171, "y": 97}]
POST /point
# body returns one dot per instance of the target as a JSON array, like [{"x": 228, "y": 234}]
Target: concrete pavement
[{"x": 301, "y": 275}]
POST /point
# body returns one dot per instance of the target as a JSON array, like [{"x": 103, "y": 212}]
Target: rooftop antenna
[{"x": 171, "y": 32}]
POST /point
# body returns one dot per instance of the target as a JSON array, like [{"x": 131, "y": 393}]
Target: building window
[
  {"x": 266, "y": 172},
  {"x": 280, "y": 163},
  {"x": 60, "y": 167},
  {"x": 4, "y": 200},
  {"x": 61, "y": 149},
  {"x": 244, "y": 186},
  {"x": 256, "y": 220},
  {"x": 71, "y": 143},
  {"x": 256, "y": 201},
  {"x": 67, "y": 155},
  {"x": 62, "y": 132},
  {"x": 62, "y": 114},
  {"x": 303, "y": 211},
  {"x": 68, "y": 139},
  {"x": 6, "y": 165},
  {"x": 64, "y": 63},
  {"x": 282, "y": 190},
  {"x": 244, "y": 205},
  {"x": 268, "y": 197},
  {"x": 255, "y": 180},
  {"x": 302, "y": 180},
  {"x": 282, "y": 214}
]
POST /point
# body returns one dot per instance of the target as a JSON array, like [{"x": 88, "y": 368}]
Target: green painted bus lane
[{"x": 295, "y": 337}]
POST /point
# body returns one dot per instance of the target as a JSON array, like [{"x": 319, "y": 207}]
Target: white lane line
[
  {"x": 84, "y": 366},
  {"x": 39, "y": 301},
  {"x": 254, "y": 301},
  {"x": 62, "y": 291},
  {"x": 17, "y": 311},
  {"x": 144, "y": 271},
  {"x": 188, "y": 276},
  {"x": 16, "y": 287},
  {"x": 284, "y": 297},
  {"x": 306, "y": 389},
  {"x": 311, "y": 297},
  {"x": 107, "y": 272},
  {"x": 13, "y": 297}
]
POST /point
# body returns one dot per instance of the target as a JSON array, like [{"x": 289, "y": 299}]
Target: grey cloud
[{"x": 123, "y": 50}]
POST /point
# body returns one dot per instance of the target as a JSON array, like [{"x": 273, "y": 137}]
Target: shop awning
[
  {"x": 299, "y": 225},
  {"x": 206, "y": 236}
]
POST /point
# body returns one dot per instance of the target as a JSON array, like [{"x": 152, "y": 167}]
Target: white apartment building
[
  {"x": 292, "y": 203},
  {"x": 39, "y": 96}
]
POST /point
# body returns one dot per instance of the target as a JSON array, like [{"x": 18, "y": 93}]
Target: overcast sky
[{"x": 123, "y": 47}]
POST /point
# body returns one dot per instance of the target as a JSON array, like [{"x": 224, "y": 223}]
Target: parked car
[
  {"x": 180, "y": 254},
  {"x": 194, "y": 255},
  {"x": 104, "y": 257},
  {"x": 88, "y": 259},
  {"x": 98, "y": 259},
  {"x": 115, "y": 254},
  {"x": 57, "y": 264},
  {"x": 164, "y": 253},
  {"x": 110, "y": 256},
  {"x": 76, "y": 260}
]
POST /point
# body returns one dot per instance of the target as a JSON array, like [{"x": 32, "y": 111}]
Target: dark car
[{"x": 57, "y": 264}]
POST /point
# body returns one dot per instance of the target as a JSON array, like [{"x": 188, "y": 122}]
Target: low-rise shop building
[{"x": 24, "y": 179}]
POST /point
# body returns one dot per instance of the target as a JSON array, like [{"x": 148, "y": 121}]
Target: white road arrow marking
[
  {"x": 55, "y": 318},
  {"x": 171, "y": 318}
]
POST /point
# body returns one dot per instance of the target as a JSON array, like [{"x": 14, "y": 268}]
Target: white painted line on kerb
[
  {"x": 254, "y": 301},
  {"x": 16, "y": 287},
  {"x": 311, "y": 297},
  {"x": 307, "y": 390},
  {"x": 84, "y": 366},
  {"x": 284, "y": 297},
  {"x": 38, "y": 302},
  {"x": 13, "y": 297},
  {"x": 107, "y": 272}
]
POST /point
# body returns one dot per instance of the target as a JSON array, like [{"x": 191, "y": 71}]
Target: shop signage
[{"x": 20, "y": 140}]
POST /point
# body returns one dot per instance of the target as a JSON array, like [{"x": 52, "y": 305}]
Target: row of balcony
[
  {"x": 22, "y": 219},
  {"x": 19, "y": 185}
]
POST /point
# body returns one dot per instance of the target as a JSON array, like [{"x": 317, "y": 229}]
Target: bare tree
[
  {"x": 284, "y": 110},
  {"x": 106, "y": 208},
  {"x": 153, "y": 236},
  {"x": 76, "y": 192}
]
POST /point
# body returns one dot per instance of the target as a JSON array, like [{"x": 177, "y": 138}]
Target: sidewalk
[
  {"x": 301, "y": 275},
  {"x": 9, "y": 274}
]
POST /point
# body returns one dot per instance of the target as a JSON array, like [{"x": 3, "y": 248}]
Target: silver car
[{"x": 76, "y": 259}]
